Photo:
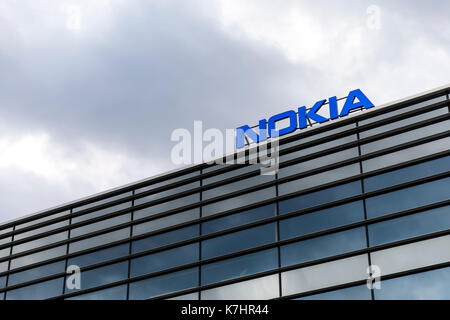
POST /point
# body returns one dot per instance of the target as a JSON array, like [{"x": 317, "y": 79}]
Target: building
[{"x": 371, "y": 189}]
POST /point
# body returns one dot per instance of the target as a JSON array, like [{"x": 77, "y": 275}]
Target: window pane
[
  {"x": 239, "y": 219},
  {"x": 238, "y": 241},
  {"x": 404, "y": 122},
  {"x": 36, "y": 221},
  {"x": 405, "y": 137},
  {"x": 36, "y": 273},
  {"x": 404, "y": 110},
  {"x": 319, "y": 179},
  {"x": 2, "y": 282},
  {"x": 324, "y": 275},
  {"x": 100, "y": 225},
  {"x": 410, "y": 226},
  {"x": 166, "y": 222},
  {"x": 321, "y": 220},
  {"x": 237, "y": 185},
  {"x": 104, "y": 275},
  {"x": 318, "y": 162},
  {"x": 164, "y": 284},
  {"x": 256, "y": 289},
  {"x": 165, "y": 206},
  {"x": 164, "y": 260},
  {"x": 189, "y": 296},
  {"x": 240, "y": 266},
  {"x": 320, "y": 197},
  {"x": 324, "y": 246},
  {"x": 421, "y": 286},
  {"x": 3, "y": 266},
  {"x": 408, "y": 198},
  {"x": 39, "y": 242},
  {"x": 41, "y": 230},
  {"x": 99, "y": 240},
  {"x": 239, "y": 201},
  {"x": 410, "y": 173},
  {"x": 406, "y": 257},
  {"x": 115, "y": 293},
  {"x": 38, "y": 257},
  {"x": 239, "y": 169},
  {"x": 352, "y": 293},
  {"x": 38, "y": 291},
  {"x": 406, "y": 154},
  {"x": 99, "y": 256},
  {"x": 167, "y": 181},
  {"x": 101, "y": 212},
  {"x": 169, "y": 192},
  {"x": 5, "y": 252},
  {"x": 166, "y": 238},
  {"x": 97, "y": 203}
]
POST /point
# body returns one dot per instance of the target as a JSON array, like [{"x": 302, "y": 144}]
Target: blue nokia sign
[{"x": 267, "y": 128}]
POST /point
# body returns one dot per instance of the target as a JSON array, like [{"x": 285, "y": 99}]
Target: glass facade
[{"x": 369, "y": 189}]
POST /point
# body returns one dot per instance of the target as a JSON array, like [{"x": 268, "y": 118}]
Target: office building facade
[{"x": 371, "y": 189}]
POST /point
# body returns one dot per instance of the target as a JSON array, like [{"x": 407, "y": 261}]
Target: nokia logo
[{"x": 267, "y": 128}]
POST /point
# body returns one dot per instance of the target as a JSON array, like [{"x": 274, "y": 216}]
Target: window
[
  {"x": 165, "y": 206},
  {"x": 166, "y": 238},
  {"x": 352, "y": 293},
  {"x": 239, "y": 219},
  {"x": 410, "y": 173},
  {"x": 421, "y": 286},
  {"x": 164, "y": 284},
  {"x": 256, "y": 289},
  {"x": 320, "y": 197},
  {"x": 237, "y": 185},
  {"x": 408, "y": 198},
  {"x": 406, "y": 257},
  {"x": 39, "y": 242},
  {"x": 238, "y": 241},
  {"x": 103, "y": 201},
  {"x": 103, "y": 224},
  {"x": 99, "y": 256},
  {"x": 115, "y": 293},
  {"x": 169, "y": 192},
  {"x": 321, "y": 220},
  {"x": 323, "y": 246},
  {"x": 324, "y": 275},
  {"x": 165, "y": 222},
  {"x": 319, "y": 179},
  {"x": 38, "y": 291},
  {"x": 164, "y": 260},
  {"x": 101, "y": 276},
  {"x": 239, "y": 201},
  {"x": 167, "y": 181},
  {"x": 406, "y": 154},
  {"x": 99, "y": 240},
  {"x": 36, "y": 221},
  {"x": 410, "y": 226},
  {"x": 240, "y": 266},
  {"x": 36, "y": 273},
  {"x": 101, "y": 212},
  {"x": 318, "y": 162},
  {"x": 38, "y": 257},
  {"x": 33, "y": 232}
]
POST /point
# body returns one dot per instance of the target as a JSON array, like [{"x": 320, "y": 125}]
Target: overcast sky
[{"x": 90, "y": 91}]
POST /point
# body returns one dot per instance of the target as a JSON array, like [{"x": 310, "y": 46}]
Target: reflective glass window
[
  {"x": 237, "y": 185},
  {"x": 321, "y": 220},
  {"x": 166, "y": 238},
  {"x": 167, "y": 181},
  {"x": 104, "y": 275},
  {"x": 165, "y": 222},
  {"x": 99, "y": 240},
  {"x": 103, "y": 224},
  {"x": 239, "y": 201},
  {"x": 239, "y": 219},
  {"x": 164, "y": 284},
  {"x": 240, "y": 266},
  {"x": 41, "y": 230},
  {"x": 97, "y": 203},
  {"x": 410, "y": 226},
  {"x": 99, "y": 255},
  {"x": 320, "y": 197},
  {"x": 256, "y": 289},
  {"x": 406, "y": 154},
  {"x": 38, "y": 257},
  {"x": 102, "y": 212},
  {"x": 38, "y": 291},
  {"x": 36, "y": 273},
  {"x": 165, "y": 206},
  {"x": 39, "y": 242},
  {"x": 238, "y": 241},
  {"x": 408, "y": 198},
  {"x": 319, "y": 179},
  {"x": 324, "y": 275},
  {"x": 430, "y": 285},
  {"x": 352, "y": 293},
  {"x": 114, "y": 293},
  {"x": 410, "y": 173},
  {"x": 36, "y": 221},
  {"x": 164, "y": 259},
  {"x": 323, "y": 246}
]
